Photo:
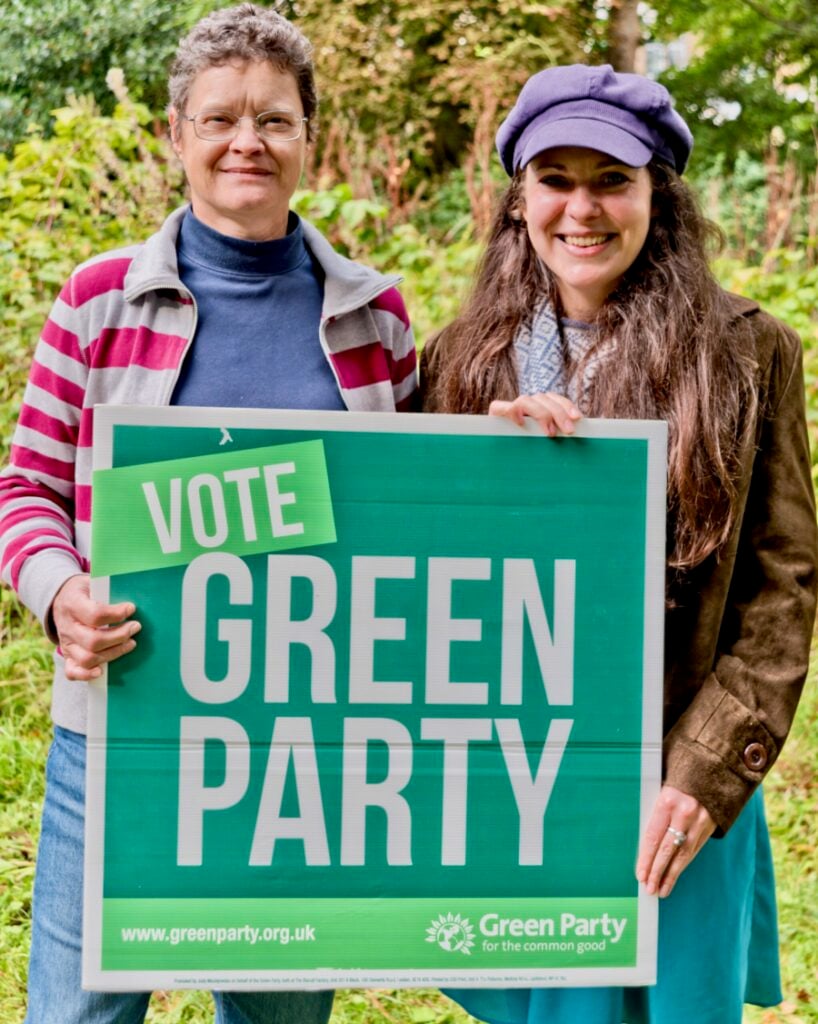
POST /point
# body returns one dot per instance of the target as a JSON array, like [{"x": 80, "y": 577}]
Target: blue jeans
[{"x": 54, "y": 992}]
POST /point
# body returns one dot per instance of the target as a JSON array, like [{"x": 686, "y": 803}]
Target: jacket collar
[
  {"x": 742, "y": 306},
  {"x": 347, "y": 285}
]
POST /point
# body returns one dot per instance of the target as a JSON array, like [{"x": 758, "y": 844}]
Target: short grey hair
[{"x": 246, "y": 33}]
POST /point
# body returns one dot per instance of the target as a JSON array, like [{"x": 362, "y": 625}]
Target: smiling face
[
  {"x": 242, "y": 187},
  {"x": 587, "y": 218}
]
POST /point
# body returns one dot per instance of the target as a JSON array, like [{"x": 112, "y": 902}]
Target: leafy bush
[
  {"x": 53, "y": 47},
  {"x": 98, "y": 182},
  {"x": 790, "y": 292}
]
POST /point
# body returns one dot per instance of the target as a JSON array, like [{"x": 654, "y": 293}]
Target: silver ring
[{"x": 679, "y": 837}]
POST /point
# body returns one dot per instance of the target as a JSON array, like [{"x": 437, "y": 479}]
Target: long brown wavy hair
[{"x": 680, "y": 352}]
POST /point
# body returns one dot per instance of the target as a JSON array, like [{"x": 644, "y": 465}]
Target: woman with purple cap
[{"x": 594, "y": 298}]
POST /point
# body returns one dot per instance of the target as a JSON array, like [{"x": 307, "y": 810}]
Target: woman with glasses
[{"x": 234, "y": 302}]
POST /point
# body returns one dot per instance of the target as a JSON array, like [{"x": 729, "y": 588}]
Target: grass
[
  {"x": 792, "y": 808},
  {"x": 792, "y": 805},
  {"x": 24, "y": 736}
]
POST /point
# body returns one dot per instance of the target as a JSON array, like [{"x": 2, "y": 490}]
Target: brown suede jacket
[
  {"x": 739, "y": 625},
  {"x": 737, "y": 635}
]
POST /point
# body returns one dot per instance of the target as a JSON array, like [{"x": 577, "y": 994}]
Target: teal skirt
[{"x": 718, "y": 948}]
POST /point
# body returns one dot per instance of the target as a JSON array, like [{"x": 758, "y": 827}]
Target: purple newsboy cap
[{"x": 627, "y": 116}]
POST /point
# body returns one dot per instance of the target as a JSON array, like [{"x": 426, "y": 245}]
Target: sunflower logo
[{"x": 452, "y": 933}]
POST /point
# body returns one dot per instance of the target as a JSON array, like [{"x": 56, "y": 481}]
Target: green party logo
[{"x": 452, "y": 933}]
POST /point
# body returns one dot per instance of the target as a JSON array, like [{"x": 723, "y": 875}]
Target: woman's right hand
[
  {"x": 555, "y": 414},
  {"x": 90, "y": 633}
]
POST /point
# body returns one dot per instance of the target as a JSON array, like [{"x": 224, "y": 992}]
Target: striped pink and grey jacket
[{"x": 117, "y": 334}]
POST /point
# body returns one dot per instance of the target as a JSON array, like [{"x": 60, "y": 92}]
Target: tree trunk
[{"x": 624, "y": 34}]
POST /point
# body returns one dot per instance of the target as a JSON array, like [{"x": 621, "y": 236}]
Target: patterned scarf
[{"x": 547, "y": 350}]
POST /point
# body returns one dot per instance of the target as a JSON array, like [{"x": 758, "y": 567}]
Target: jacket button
[{"x": 755, "y": 757}]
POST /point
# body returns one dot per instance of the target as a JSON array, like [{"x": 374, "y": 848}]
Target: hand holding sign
[
  {"x": 554, "y": 413},
  {"x": 91, "y": 633}
]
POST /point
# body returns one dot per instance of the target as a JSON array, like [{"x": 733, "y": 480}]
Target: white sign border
[{"x": 654, "y": 432}]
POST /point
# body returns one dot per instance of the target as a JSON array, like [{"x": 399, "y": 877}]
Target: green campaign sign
[{"x": 394, "y": 716}]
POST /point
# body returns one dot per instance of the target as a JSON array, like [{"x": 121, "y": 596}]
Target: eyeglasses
[{"x": 222, "y": 126}]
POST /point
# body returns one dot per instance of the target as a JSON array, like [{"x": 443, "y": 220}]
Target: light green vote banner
[{"x": 394, "y": 715}]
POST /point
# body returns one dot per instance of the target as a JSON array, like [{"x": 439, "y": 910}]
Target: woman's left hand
[{"x": 662, "y": 856}]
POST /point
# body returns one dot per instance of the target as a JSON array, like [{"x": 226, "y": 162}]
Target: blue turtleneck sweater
[{"x": 259, "y": 307}]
